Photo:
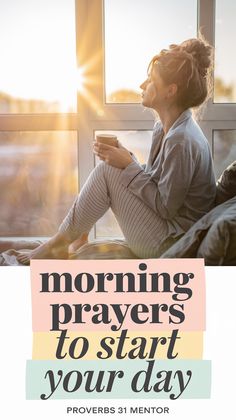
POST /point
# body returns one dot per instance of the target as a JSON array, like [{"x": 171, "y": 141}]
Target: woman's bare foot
[
  {"x": 78, "y": 243},
  {"x": 55, "y": 248}
]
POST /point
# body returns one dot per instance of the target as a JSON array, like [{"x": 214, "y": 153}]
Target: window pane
[
  {"x": 224, "y": 149},
  {"x": 135, "y": 31},
  {"x": 139, "y": 143},
  {"x": 38, "y": 181},
  {"x": 225, "y": 61},
  {"x": 38, "y": 56}
]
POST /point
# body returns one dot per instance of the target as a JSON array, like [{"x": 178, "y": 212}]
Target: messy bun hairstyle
[{"x": 188, "y": 65}]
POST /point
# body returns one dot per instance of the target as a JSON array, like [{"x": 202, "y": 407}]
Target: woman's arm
[
  {"x": 119, "y": 157},
  {"x": 165, "y": 193}
]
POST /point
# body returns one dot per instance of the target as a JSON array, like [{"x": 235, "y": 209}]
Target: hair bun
[
  {"x": 201, "y": 53},
  {"x": 188, "y": 66}
]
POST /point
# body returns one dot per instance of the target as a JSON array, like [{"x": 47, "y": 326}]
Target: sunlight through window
[{"x": 38, "y": 56}]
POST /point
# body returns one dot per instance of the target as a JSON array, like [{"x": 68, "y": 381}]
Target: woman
[{"x": 155, "y": 204}]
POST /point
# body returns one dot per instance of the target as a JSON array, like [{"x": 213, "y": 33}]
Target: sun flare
[{"x": 80, "y": 79}]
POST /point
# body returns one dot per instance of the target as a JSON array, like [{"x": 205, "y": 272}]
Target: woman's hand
[{"x": 119, "y": 157}]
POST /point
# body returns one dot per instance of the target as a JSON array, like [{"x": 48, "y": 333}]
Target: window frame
[{"x": 97, "y": 115}]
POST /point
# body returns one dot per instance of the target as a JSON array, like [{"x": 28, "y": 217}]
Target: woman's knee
[{"x": 107, "y": 171}]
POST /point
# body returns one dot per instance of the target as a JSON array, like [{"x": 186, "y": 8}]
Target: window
[
  {"x": 224, "y": 149},
  {"x": 132, "y": 38},
  {"x": 38, "y": 56},
  {"x": 38, "y": 83},
  {"x": 38, "y": 181},
  {"x": 225, "y": 63},
  {"x": 38, "y": 122}
]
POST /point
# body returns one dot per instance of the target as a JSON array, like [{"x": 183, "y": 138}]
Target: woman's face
[{"x": 155, "y": 91}]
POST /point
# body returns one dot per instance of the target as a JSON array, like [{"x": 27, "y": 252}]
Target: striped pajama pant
[{"x": 143, "y": 229}]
